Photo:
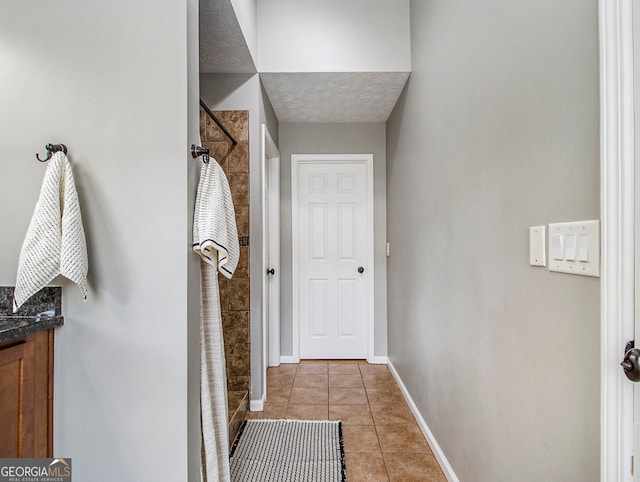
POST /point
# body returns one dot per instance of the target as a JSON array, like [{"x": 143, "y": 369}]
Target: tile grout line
[{"x": 375, "y": 427}]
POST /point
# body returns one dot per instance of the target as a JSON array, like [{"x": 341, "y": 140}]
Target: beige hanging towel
[
  {"x": 55, "y": 242},
  {"x": 215, "y": 239}
]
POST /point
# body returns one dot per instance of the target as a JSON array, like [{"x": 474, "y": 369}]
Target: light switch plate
[
  {"x": 584, "y": 240},
  {"x": 537, "y": 246}
]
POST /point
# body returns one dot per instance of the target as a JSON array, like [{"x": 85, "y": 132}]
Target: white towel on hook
[
  {"x": 214, "y": 220},
  {"x": 55, "y": 242}
]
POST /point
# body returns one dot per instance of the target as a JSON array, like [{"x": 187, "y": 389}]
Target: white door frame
[
  {"x": 270, "y": 169},
  {"x": 296, "y": 160},
  {"x": 618, "y": 226}
]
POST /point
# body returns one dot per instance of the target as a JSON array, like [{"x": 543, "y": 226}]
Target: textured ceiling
[
  {"x": 223, "y": 48},
  {"x": 296, "y": 97},
  {"x": 334, "y": 96}
]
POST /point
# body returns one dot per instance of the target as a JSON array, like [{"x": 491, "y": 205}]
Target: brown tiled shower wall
[{"x": 234, "y": 293}]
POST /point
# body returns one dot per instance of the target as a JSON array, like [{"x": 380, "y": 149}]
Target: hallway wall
[
  {"x": 100, "y": 79},
  {"x": 497, "y": 130},
  {"x": 310, "y": 138}
]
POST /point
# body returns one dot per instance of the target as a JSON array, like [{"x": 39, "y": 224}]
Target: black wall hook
[
  {"x": 51, "y": 148},
  {"x": 197, "y": 151}
]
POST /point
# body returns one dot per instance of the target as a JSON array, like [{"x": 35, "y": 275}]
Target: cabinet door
[{"x": 17, "y": 400}]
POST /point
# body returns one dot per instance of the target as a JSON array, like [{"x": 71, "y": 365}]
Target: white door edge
[
  {"x": 273, "y": 157},
  {"x": 617, "y": 213},
  {"x": 270, "y": 156},
  {"x": 296, "y": 160}
]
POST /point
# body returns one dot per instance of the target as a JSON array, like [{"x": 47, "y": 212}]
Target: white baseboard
[
  {"x": 431, "y": 440},
  {"x": 256, "y": 405},
  {"x": 289, "y": 359},
  {"x": 378, "y": 360}
]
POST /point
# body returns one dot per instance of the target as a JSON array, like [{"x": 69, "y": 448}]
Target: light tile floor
[{"x": 382, "y": 440}]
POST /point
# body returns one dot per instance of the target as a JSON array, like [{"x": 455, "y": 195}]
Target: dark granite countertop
[
  {"x": 12, "y": 327},
  {"x": 42, "y": 312}
]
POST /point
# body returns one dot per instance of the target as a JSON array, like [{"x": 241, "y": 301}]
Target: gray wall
[
  {"x": 334, "y": 139},
  {"x": 124, "y": 100},
  {"x": 268, "y": 115},
  {"x": 333, "y": 36},
  {"x": 244, "y": 92},
  {"x": 247, "y": 12},
  {"x": 194, "y": 427},
  {"x": 497, "y": 130}
]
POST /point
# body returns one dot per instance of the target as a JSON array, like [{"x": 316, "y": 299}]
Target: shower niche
[{"x": 234, "y": 292}]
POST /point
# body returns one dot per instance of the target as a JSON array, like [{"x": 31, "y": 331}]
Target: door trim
[
  {"x": 618, "y": 226},
  {"x": 296, "y": 161}
]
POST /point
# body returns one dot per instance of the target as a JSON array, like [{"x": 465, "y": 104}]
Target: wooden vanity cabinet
[{"x": 26, "y": 396}]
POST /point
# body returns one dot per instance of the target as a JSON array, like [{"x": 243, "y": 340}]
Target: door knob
[
  {"x": 271, "y": 271},
  {"x": 360, "y": 270},
  {"x": 631, "y": 363}
]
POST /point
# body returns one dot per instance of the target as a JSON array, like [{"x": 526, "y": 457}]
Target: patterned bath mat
[{"x": 288, "y": 451}]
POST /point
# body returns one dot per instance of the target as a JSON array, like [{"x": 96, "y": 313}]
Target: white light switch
[
  {"x": 583, "y": 248},
  {"x": 570, "y": 247},
  {"x": 575, "y": 247},
  {"x": 557, "y": 246},
  {"x": 537, "y": 246}
]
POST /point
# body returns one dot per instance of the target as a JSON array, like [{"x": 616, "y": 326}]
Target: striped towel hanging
[{"x": 214, "y": 221}]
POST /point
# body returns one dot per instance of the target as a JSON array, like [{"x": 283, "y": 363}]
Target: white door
[
  {"x": 270, "y": 249},
  {"x": 333, "y": 244},
  {"x": 270, "y": 174}
]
